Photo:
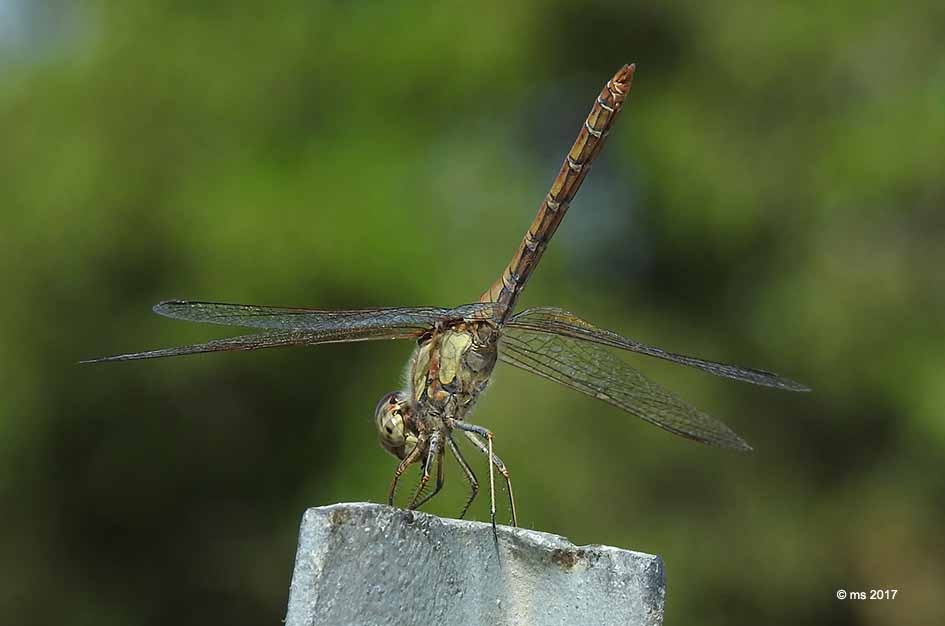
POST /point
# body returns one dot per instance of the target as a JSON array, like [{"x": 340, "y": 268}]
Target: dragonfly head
[{"x": 395, "y": 424}]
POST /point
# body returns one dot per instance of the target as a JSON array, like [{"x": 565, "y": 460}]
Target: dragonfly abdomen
[{"x": 511, "y": 282}]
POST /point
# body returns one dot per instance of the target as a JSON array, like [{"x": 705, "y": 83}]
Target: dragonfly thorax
[
  {"x": 446, "y": 374},
  {"x": 450, "y": 369}
]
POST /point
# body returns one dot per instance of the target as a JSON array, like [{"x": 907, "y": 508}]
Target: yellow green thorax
[{"x": 451, "y": 368}]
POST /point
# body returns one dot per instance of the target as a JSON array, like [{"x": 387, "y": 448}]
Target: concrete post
[{"x": 369, "y": 565}]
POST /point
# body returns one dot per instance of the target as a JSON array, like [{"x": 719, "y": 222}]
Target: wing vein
[
  {"x": 593, "y": 370},
  {"x": 559, "y": 322}
]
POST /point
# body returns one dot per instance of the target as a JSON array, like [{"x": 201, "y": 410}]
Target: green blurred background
[{"x": 772, "y": 197}]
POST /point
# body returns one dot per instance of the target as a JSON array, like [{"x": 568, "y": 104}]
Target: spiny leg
[
  {"x": 432, "y": 453},
  {"x": 473, "y": 437},
  {"x": 467, "y": 471},
  {"x": 472, "y": 428},
  {"x": 439, "y": 478},
  {"x": 411, "y": 457}
]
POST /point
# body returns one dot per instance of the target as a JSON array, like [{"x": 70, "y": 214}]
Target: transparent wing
[
  {"x": 230, "y": 344},
  {"x": 560, "y": 322},
  {"x": 593, "y": 369},
  {"x": 319, "y": 320},
  {"x": 300, "y": 326}
]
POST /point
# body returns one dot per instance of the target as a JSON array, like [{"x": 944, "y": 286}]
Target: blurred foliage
[{"x": 772, "y": 197}]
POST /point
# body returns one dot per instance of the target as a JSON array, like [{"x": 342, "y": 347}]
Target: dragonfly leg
[
  {"x": 471, "y": 428},
  {"x": 439, "y": 479},
  {"x": 473, "y": 436},
  {"x": 411, "y": 458},
  {"x": 432, "y": 453},
  {"x": 467, "y": 471}
]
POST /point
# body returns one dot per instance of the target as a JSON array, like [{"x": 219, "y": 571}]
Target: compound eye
[
  {"x": 388, "y": 398},
  {"x": 389, "y": 420}
]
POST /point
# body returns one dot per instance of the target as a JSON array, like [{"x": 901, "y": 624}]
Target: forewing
[
  {"x": 560, "y": 322},
  {"x": 592, "y": 369},
  {"x": 317, "y": 320},
  {"x": 300, "y": 326}
]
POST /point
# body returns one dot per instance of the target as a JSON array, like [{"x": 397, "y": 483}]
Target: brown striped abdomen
[{"x": 590, "y": 140}]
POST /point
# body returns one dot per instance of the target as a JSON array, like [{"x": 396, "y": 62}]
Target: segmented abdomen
[{"x": 590, "y": 140}]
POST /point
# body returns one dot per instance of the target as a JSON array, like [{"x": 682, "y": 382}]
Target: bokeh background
[{"x": 773, "y": 196}]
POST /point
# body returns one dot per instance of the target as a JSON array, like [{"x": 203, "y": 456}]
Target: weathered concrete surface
[{"x": 367, "y": 565}]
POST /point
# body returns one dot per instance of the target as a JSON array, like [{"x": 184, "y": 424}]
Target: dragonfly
[{"x": 457, "y": 348}]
